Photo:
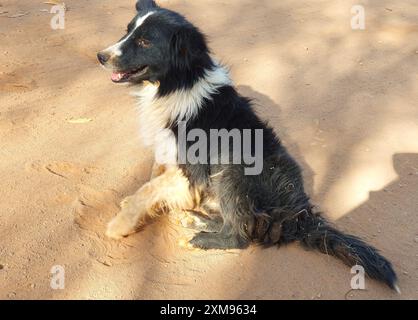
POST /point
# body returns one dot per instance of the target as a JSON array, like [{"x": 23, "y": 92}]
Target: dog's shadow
[{"x": 294, "y": 272}]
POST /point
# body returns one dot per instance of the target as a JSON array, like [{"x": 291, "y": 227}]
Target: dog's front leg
[{"x": 168, "y": 191}]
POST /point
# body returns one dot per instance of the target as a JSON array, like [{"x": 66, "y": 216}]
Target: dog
[{"x": 177, "y": 83}]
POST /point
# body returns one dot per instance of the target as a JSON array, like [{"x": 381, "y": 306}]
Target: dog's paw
[
  {"x": 197, "y": 221},
  {"x": 218, "y": 241},
  {"x": 184, "y": 243},
  {"x": 201, "y": 241},
  {"x": 119, "y": 228},
  {"x": 193, "y": 221}
]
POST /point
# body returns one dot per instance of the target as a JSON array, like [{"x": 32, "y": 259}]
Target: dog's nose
[{"x": 103, "y": 57}]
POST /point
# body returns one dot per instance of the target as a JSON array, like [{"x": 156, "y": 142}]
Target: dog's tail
[
  {"x": 314, "y": 232},
  {"x": 351, "y": 250}
]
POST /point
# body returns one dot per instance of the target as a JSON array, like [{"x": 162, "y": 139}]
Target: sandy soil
[{"x": 344, "y": 102}]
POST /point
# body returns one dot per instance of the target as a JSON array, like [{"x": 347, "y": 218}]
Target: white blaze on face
[{"x": 115, "y": 50}]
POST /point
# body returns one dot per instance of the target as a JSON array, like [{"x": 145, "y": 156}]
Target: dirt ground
[{"x": 345, "y": 103}]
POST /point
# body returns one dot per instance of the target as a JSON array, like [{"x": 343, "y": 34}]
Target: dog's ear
[
  {"x": 188, "y": 46},
  {"x": 145, "y": 5}
]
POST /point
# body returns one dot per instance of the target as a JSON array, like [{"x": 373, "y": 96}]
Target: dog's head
[{"x": 159, "y": 45}]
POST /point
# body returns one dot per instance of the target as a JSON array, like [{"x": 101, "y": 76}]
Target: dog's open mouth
[{"x": 124, "y": 76}]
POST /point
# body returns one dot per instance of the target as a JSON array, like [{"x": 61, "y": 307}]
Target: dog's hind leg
[
  {"x": 201, "y": 222},
  {"x": 225, "y": 239},
  {"x": 234, "y": 204},
  {"x": 167, "y": 191}
]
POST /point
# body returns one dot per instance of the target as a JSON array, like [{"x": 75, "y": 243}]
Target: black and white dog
[{"x": 166, "y": 59}]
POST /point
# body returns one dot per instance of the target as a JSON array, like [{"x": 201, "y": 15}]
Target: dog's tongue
[{"x": 117, "y": 76}]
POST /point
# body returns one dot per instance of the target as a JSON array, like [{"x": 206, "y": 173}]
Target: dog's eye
[{"x": 143, "y": 43}]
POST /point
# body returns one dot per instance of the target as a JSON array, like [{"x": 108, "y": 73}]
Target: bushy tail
[
  {"x": 314, "y": 232},
  {"x": 350, "y": 249}
]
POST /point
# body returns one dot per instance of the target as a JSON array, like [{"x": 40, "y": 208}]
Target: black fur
[
  {"x": 145, "y": 5},
  {"x": 271, "y": 208},
  {"x": 188, "y": 52},
  {"x": 177, "y": 55}
]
